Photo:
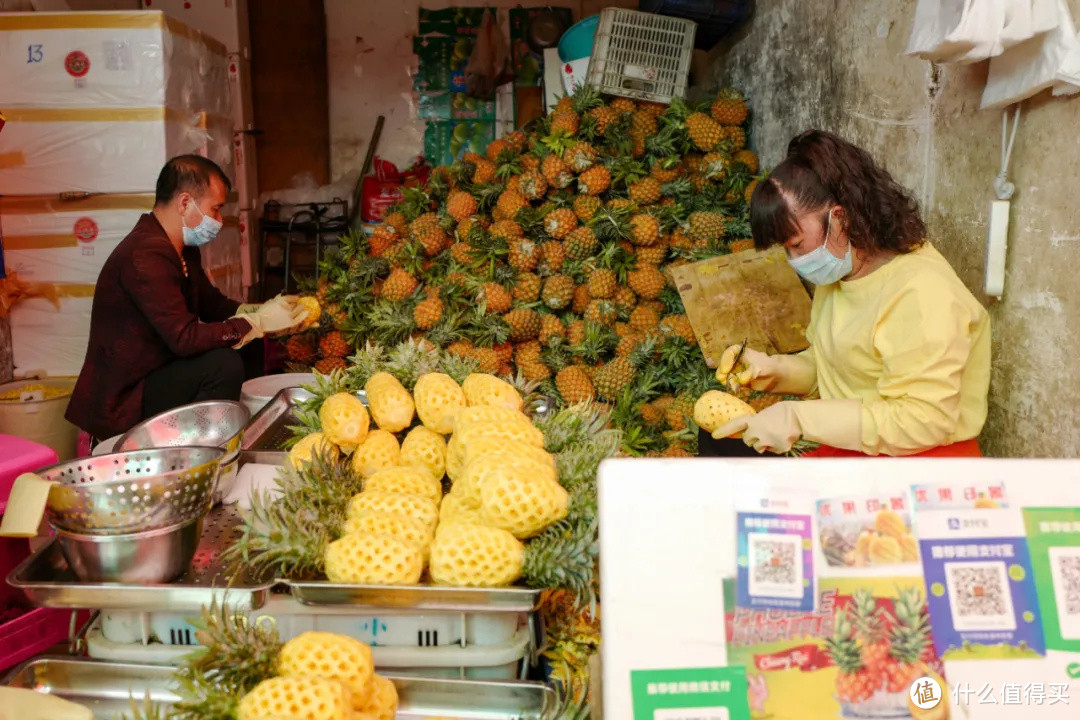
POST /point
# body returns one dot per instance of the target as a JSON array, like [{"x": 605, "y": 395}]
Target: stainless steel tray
[
  {"x": 266, "y": 434},
  {"x": 106, "y": 688},
  {"x": 47, "y": 581},
  {"x": 416, "y": 597}
]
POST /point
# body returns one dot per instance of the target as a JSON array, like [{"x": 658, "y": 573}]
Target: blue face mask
[
  {"x": 820, "y": 266},
  {"x": 203, "y": 233}
]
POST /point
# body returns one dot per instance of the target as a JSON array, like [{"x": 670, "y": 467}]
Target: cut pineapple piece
[
  {"x": 509, "y": 432},
  {"x": 488, "y": 445},
  {"x": 399, "y": 526},
  {"x": 390, "y": 403},
  {"x": 409, "y": 480},
  {"x": 310, "y": 445},
  {"x": 379, "y": 451},
  {"x": 489, "y": 414},
  {"x": 438, "y": 400},
  {"x": 344, "y": 420},
  {"x": 367, "y": 559},
  {"x": 297, "y": 696},
  {"x": 715, "y": 409},
  {"x": 482, "y": 389},
  {"x": 417, "y": 507},
  {"x": 479, "y": 471},
  {"x": 456, "y": 509},
  {"x": 521, "y": 504},
  {"x": 424, "y": 447},
  {"x": 382, "y": 702},
  {"x": 331, "y": 656},
  {"x": 475, "y": 556}
]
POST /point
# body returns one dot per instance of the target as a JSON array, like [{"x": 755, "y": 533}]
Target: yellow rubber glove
[
  {"x": 781, "y": 374},
  {"x": 777, "y": 428},
  {"x": 272, "y": 318},
  {"x": 287, "y": 301},
  {"x": 248, "y": 308}
]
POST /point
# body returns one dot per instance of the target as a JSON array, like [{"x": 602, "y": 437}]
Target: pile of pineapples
[
  {"x": 548, "y": 256},
  {"x": 361, "y": 499}
]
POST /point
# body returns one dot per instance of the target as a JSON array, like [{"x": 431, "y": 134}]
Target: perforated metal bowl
[
  {"x": 219, "y": 423},
  {"x": 132, "y": 491}
]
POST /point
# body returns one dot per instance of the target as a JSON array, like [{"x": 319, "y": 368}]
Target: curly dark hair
[{"x": 822, "y": 170}]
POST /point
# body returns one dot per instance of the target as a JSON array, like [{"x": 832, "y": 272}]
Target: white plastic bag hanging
[
  {"x": 952, "y": 30},
  {"x": 1050, "y": 60}
]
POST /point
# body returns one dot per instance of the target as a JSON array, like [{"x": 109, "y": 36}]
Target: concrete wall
[{"x": 838, "y": 65}]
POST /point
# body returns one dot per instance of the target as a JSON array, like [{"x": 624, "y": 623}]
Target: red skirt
[{"x": 964, "y": 448}]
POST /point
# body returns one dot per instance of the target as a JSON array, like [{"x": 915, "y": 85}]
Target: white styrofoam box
[
  {"x": 225, "y": 20},
  {"x": 50, "y": 339},
  {"x": 110, "y": 60},
  {"x": 244, "y": 175},
  {"x": 240, "y": 101},
  {"x": 103, "y": 150},
  {"x": 48, "y": 239}
]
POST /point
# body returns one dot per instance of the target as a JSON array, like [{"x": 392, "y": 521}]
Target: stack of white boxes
[{"x": 95, "y": 104}]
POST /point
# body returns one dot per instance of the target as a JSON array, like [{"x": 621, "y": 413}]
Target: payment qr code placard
[
  {"x": 775, "y": 561},
  {"x": 979, "y": 596},
  {"x": 1054, "y": 540}
]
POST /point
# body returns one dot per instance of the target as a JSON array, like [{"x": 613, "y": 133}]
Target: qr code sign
[
  {"x": 980, "y": 597},
  {"x": 775, "y": 565},
  {"x": 1065, "y": 571}
]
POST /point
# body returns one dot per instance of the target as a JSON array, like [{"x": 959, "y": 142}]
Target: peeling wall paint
[{"x": 839, "y": 65}]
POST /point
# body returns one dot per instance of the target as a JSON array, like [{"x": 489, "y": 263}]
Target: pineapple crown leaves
[
  {"x": 487, "y": 195},
  {"x": 564, "y": 556},
  {"x": 392, "y": 322},
  {"x": 458, "y": 367},
  {"x": 408, "y": 360},
  {"x": 353, "y": 243},
  {"x": 598, "y": 342},
  {"x": 486, "y": 330},
  {"x": 673, "y": 304},
  {"x": 612, "y": 224},
  {"x": 585, "y": 98},
  {"x": 557, "y": 141},
  {"x": 625, "y": 171},
  {"x": 507, "y": 165},
  {"x": 414, "y": 203},
  {"x": 239, "y": 654}
]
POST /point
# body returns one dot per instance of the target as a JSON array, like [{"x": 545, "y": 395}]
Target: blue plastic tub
[{"x": 577, "y": 42}]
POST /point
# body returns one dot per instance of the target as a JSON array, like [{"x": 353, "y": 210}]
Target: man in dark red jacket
[{"x": 161, "y": 335}]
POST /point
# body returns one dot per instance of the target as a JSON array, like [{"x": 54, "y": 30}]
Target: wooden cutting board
[{"x": 750, "y": 294}]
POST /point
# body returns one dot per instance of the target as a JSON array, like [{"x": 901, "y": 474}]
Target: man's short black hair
[{"x": 190, "y": 174}]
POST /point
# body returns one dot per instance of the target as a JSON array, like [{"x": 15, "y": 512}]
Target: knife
[{"x": 735, "y": 364}]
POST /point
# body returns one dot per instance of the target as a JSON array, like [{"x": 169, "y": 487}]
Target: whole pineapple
[
  {"x": 729, "y": 108},
  {"x": 704, "y": 132},
  {"x": 558, "y": 292},
  {"x": 399, "y": 285},
  {"x": 574, "y": 385}
]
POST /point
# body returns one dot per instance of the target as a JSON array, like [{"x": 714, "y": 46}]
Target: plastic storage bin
[
  {"x": 41, "y": 420},
  {"x": 31, "y": 633},
  {"x": 641, "y": 55},
  {"x": 715, "y": 18}
]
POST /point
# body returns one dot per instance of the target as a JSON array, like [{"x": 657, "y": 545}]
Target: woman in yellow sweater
[{"x": 899, "y": 348}]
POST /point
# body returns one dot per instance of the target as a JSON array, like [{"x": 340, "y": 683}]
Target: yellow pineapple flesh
[
  {"x": 521, "y": 504},
  {"x": 379, "y": 450},
  {"x": 438, "y": 400},
  {"x": 475, "y": 556},
  {"x": 399, "y": 526},
  {"x": 331, "y": 656},
  {"x": 417, "y": 507},
  {"x": 424, "y": 447},
  {"x": 300, "y": 697},
  {"x": 310, "y": 445},
  {"x": 482, "y": 389},
  {"x": 382, "y": 701},
  {"x": 390, "y": 403},
  {"x": 716, "y": 408},
  {"x": 408, "y": 480},
  {"x": 369, "y": 559},
  {"x": 456, "y": 509},
  {"x": 344, "y": 421}
]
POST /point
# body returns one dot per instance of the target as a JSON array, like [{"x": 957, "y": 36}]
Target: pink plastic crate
[{"x": 32, "y": 633}]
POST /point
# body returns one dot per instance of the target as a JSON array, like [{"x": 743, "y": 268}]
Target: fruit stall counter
[{"x": 829, "y": 593}]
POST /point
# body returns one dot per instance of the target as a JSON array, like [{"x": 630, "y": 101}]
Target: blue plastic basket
[{"x": 715, "y": 18}]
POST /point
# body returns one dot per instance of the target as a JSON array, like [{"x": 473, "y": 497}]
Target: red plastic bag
[{"x": 383, "y": 190}]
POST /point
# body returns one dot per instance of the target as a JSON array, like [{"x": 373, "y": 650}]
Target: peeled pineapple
[
  {"x": 382, "y": 701},
  {"x": 489, "y": 414},
  {"x": 399, "y": 526},
  {"x": 520, "y": 504},
  {"x": 344, "y": 420},
  {"x": 312, "y": 312},
  {"x": 310, "y": 445},
  {"x": 456, "y": 509},
  {"x": 417, "y": 507},
  {"x": 409, "y": 480},
  {"x": 715, "y": 409},
  {"x": 390, "y": 403},
  {"x": 369, "y": 559},
  {"x": 379, "y": 451},
  {"x": 331, "y": 656},
  {"x": 297, "y": 696},
  {"x": 524, "y": 433},
  {"x": 424, "y": 447},
  {"x": 485, "y": 467},
  {"x": 438, "y": 400},
  {"x": 475, "y": 556},
  {"x": 488, "y": 445},
  {"x": 482, "y": 389}
]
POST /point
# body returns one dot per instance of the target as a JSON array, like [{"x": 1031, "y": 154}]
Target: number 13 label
[{"x": 35, "y": 54}]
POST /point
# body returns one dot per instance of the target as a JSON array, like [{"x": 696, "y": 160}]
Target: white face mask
[
  {"x": 820, "y": 266},
  {"x": 204, "y": 232}
]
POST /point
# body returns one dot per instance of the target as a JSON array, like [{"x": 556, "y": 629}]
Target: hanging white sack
[
  {"x": 1048, "y": 60},
  {"x": 956, "y": 30},
  {"x": 1024, "y": 19}
]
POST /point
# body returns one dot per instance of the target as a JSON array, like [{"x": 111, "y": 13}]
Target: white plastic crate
[
  {"x": 641, "y": 55},
  {"x": 432, "y": 644}
]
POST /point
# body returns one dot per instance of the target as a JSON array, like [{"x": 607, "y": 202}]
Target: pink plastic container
[{"x": 34, "y": 632}]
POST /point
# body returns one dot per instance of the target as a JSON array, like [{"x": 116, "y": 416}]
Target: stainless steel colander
[{"x": 132, "y": 491}]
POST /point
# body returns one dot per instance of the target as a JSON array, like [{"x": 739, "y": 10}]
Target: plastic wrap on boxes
[
  {"x": 48, "y": 151},
  {"x": 50, "y": 339},
  {"x": 47, "y": 239},
  {"x": 221, "y": 258},
  {"x": 110, "y": 60}
]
